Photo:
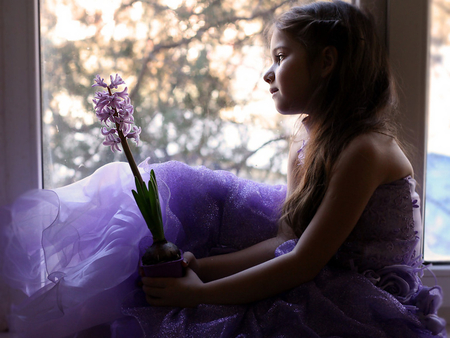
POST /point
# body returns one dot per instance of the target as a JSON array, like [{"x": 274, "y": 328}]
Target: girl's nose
[{"x": 269, "y": 76}]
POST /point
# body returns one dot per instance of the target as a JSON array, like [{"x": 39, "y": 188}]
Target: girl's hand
[
  {"x": 175, "y": 292},
  {"x": 191, "y": 262}
]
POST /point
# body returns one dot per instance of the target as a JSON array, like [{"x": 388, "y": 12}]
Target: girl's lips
[{"x": 273, "y": 90}]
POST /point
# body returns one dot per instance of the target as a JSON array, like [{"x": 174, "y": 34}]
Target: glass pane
[
  {"x": 194, "y": 72},
  {"x": 193, "y": 68},
  {"x": 437, "y": 207}
]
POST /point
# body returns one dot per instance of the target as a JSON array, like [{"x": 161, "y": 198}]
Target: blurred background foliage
[{"x": 194, "y": 72}]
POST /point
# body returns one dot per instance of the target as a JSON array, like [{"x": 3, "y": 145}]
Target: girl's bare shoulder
[{"x": 381, "y": 153}]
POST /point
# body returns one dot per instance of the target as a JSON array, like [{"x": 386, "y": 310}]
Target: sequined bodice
[{"x": 387, "y": 232}]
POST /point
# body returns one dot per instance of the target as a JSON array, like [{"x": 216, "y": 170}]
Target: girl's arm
[
  {"x": 360, "y": 170},
  {"x": 216, "y": 267}
]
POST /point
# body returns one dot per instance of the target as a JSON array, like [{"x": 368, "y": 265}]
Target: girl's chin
[{"x": 288, "y": 110}]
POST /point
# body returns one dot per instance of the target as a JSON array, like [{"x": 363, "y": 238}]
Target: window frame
[
  {"x": 405, "y": 32},
  {"x": 20, "y": 121}
]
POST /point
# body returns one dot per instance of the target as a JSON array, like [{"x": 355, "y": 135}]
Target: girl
[
  {"x": 343, "y": 186},
  {"x": 341, "y": 258}
]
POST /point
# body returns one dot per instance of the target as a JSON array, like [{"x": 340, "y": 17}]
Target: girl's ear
[{"x": 329, "y": 60}]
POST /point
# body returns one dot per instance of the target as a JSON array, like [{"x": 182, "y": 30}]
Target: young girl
[
  {"x": 350, "y": 197},
  {"x": 338, "y": 257}
]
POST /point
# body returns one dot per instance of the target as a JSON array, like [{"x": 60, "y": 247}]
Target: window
[
  {"x": 437, "y": 210},
  {"x": 194, "y": 70}
]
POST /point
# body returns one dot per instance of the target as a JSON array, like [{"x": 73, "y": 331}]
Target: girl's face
[{"x": 291, "y": 76}]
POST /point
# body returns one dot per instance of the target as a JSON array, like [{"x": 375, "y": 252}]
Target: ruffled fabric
[
  {"x": 70, "y": 258},
  {"x": 69, "y": 255}
]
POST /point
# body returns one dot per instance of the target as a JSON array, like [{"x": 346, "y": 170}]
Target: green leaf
[
  {"x": 148, "y": 203},
  {"x": 142, "y": 205}
]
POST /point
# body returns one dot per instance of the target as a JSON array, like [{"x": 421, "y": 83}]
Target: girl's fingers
[
  {"x": 154, "y": 282},
  {"x": 153, "y": 292},
  {"x": 188, "y": 257}
]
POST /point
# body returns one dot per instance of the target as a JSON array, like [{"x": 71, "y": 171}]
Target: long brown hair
[{"x": 357, "y": 97}]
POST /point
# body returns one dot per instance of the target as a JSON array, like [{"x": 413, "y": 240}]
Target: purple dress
[{"x": 69, "y": 258}]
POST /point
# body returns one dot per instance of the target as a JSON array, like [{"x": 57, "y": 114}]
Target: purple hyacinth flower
[
  {"x": 99, "y": 82},
  {"x": 134, "y": 134},
  {"x": 115, "y": 82},
  {"x": 115, "y": 111},
  {"x": 123, "y": 94},
  {"x": 105, "y": 131},
  {"x": 113, "y": 141}
]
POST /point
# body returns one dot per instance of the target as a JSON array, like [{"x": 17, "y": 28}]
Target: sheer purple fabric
[{"x": 70, "y": 259}]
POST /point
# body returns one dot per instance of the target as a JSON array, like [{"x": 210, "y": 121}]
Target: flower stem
[
  {"x": 126, "y": 149},
  {"x": 129, "y": 155}
]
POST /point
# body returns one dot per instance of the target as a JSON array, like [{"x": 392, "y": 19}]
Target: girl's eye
[{"x": 279, "y": 58}]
